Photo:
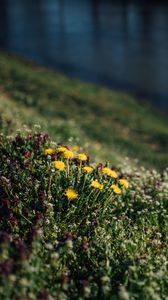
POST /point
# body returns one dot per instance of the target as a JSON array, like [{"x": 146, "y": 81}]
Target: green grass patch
[{"x": 121, "y": 125}]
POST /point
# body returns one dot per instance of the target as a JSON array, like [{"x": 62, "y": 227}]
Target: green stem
[
  {"x": 79, "y": 169},
  {"x": 49, "y": 185},
  {"x": 84, "y": 184},
  {"x": 67, "y": 163}
]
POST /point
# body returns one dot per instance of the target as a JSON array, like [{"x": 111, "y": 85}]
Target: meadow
[
  {"x": 115, "y": 123},
  {"x": 79, "y": 220}
]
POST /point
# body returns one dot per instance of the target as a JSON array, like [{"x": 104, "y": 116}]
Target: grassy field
[
  {"x": 113, "y": 124},
  {"x": 72, "y": 225}
]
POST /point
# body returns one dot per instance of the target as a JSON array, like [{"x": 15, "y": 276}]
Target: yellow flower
[
  {"x": 109, "y": 172},
  {"x": 115, "y": 189},
  {"x": 59, "y": 165},
  {"x": 61, "y": 149},
  {"x": 68, "y": 154},
  {"x": 48, "y": 151},
  {"x": 124, "y": 183},
  {"x": 97, "y": 185},
  {"x": 75, "y": 148},
  {"x": 87, "y": 169},
  {"x": 82, "y": 156},
  {"x": 71, "y": 194}
]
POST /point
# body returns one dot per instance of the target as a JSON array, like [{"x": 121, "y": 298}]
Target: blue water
[{"x": 120, "y": 44}]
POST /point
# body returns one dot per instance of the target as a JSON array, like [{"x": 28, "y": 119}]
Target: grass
[
  {"x": 113, "y": 122},
  {"x": 16, "y": 118},
  {"x": 74, "y": 227}
]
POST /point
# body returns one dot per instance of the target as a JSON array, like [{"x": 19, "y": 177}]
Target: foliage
[{"x": 64, "y": 237}]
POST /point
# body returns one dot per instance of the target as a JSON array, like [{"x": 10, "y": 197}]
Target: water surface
[{"x": 120, "y": 44}]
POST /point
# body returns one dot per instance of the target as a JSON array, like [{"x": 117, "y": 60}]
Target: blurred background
[{"x": 119, "y": 44}]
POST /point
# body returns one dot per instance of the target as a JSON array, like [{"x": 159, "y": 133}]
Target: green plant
[{"x": 70, "y": 229}]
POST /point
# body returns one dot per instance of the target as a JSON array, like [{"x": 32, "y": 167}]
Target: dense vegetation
[
  {"x": 72, "y": 230},
  {"x": 72, "y": 227}
]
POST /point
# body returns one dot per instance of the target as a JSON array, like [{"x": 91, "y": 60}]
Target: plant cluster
[{"x": 70, "y": 229}]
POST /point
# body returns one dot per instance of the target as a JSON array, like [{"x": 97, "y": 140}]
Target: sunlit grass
[{"x": 111, "y": 119}]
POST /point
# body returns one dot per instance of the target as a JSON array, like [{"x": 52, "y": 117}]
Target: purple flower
[
  {"x": 6, "y": 266},
  {"x": 4, "y": 237},
  {"x": 12, "y": 220},
  {"x": 44, "y": 294},
  {"x": 20, "y": 247}
]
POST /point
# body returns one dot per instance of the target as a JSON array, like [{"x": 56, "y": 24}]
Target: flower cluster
[
  {"x": 103, "y": 178},
  {"x": 70, "y": 229}
]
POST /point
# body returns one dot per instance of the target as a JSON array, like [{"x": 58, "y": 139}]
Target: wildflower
[
  {"x": 75, "y": 147},
  {"x": 124, "y": 183},
  {"x": 85, "y": 244},
  {"x": 6, "y": 266},
  {"x": 123, "y": 294},
  {"x": 86, "y": 288},
  {"x": 69, "y": 244},
  {"x": 54, "y": 156},
  {"x": 61, "y": 149},
  {"x": 68, "y": 154},
  {"x": 95, "y": 184},
  {"x": 71, "y": 194},
  {"x": 115, "y": 189},
  {"x": 82, "y": 156},
  {"x": 4, "y": 237},
  {"x": 24, "y": 282},
  {"x": 59, "y": 165},
  {"x": 105, "y": 279},
  {"x": 48, "y": 151},
  {"x": 109, "y": 172},
  {"x": 44, "y": 294},
  {"x": 87, "y": 169},
  {"x": 12, "y": 220},
  {"x": 69, "y": 236}
]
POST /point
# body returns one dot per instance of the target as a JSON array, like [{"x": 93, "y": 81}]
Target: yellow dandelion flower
[
  {"x": 48, "y": 151},
  {"x": 68, "y": 154},
  {"x": 124, "y": 183},
  {"x": 109, "y": 172},
  {"x": 75, "y": 147},
  {"x": 61, "y": 149},
  {"x": 97, "y": 185},
  {"x": 87, "y": 169},
  {"x": 59, "y": 165},
  {"x": 115, "y": 189},
  {"x": 82, "y": 156},
  {"x": 71, "y": 194}
]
